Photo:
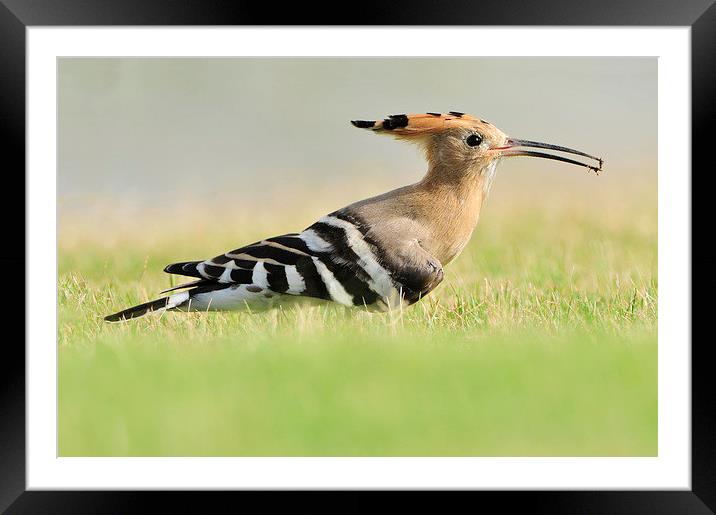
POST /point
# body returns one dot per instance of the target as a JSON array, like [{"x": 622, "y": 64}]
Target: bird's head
[{"x": 457, "y": 143}]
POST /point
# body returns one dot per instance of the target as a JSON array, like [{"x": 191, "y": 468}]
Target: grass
[{"x": 542, "y": 341}]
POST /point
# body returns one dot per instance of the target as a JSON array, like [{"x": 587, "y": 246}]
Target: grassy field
[{"x": 542, "y": 341}]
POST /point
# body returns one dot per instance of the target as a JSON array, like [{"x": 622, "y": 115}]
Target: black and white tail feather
[{"x": 335, "y": 259}]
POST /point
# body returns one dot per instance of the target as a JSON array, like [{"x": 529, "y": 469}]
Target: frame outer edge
[
  {"x": 12, "y": 364},
  {"x": 12, "y": 115},
  {"x": 397, "y": 12},
  {"x": 703, "y": 112}
]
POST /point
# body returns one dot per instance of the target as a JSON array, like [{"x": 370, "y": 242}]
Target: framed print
[{"x": 502, "y": 306}]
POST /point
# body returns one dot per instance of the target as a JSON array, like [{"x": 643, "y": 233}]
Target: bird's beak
[{"x": 512, "y": 148}]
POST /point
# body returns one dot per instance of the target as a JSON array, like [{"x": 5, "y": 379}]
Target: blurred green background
[{"x": 541, "y": 341}]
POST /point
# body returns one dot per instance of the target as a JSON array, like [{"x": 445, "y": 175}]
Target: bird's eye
[{"x": 473, "y": 140}]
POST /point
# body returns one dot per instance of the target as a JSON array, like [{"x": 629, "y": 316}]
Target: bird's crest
[{"x": 409, "y": 125}]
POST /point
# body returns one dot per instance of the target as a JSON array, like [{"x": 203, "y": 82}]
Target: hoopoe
[{"x": 380, "y": 253}]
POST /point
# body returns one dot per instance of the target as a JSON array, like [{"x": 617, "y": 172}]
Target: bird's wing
[
  {"x": 326, "y": 261},
  {"x": 333, "y": 259},
  {"x": 282, "y": 264}
]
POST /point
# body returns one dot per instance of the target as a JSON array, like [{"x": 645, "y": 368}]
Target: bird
[{"x": 381, "y": 253}]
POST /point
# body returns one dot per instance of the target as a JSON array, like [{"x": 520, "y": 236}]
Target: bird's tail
[
  {"x": 138, "y": 311},
  {"x": 162, "y": 304}
]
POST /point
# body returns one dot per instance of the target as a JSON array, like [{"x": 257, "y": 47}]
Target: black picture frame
[{"x": 16, "y": 15}]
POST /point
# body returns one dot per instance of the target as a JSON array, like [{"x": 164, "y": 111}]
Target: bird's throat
[{"x": 453, "y": 209}]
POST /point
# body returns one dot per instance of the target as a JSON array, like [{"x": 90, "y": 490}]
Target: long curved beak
[{"x": 513, "y": 149}]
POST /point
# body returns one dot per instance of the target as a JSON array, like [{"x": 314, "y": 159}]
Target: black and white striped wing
[
  {"x": 334, "y": 259},
  {"x": 283, "y": 264}
]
